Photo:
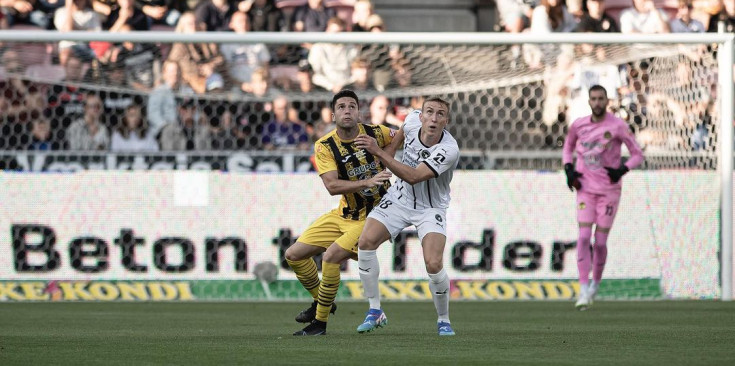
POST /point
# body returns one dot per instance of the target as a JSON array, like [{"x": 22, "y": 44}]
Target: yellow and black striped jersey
[{"x": 351, "y": 163}]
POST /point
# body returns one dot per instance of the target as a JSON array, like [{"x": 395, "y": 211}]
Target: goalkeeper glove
[
  {"x": 616, "y": 174},
  {"x": 572, "y": 177}
]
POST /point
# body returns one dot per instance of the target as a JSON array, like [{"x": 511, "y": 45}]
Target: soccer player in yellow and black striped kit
[{"x": 362, "y": 180}]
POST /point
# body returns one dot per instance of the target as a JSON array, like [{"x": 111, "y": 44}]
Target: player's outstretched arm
[
  {"x": 336, "y": 186},
  {"x": 405, "y": 172},
  {"x": 396, "y": 143}
]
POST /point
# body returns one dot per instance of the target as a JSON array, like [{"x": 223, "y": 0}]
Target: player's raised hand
[
  {"x": 572, "y": 177},
  {"x": 380, "y": 178},
  {"x": 616, "y": 174},
  {"x": 366, "y": 142}
]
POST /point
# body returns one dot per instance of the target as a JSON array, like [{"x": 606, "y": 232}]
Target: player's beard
[{"x": 598, "y": 112}]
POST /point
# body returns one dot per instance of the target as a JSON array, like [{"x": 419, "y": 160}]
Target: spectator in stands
[
  {"x": 643, "y": 17},
  {"x": 259, "y": 84},
  {"x": 40, "y": 139},
  {"x": 165, "y": 12},
  {"x": 402, "y": 73},
  {"x": 360, "y": 78},
  {"x": 124, "y": 12},
  {"x": 114, "y": 75},
  {"x": 162, "y": 107},
  {"x": 313, "y": 17},
  {"x": 200, "y": 62},
  {"x": 596, "y": 20},
  {"x": 76, "y": 15},
  {"x": 298, "y": 81},
  {"x": 288, "y": 9},
  {"x": 375, "y": 23},
  {"x": 552, "y": 16},
  {"x": 20, "y": 99},
  {"x": 283, "y": 133},
  {"x": 226, "y": 133},
  {"x": 116, "y": 98},
  {"x": 31, "y": 12},
  {"x": 189, "y": 133},
  {"x": 3, "y": 23},
  {"x": 380, "y": 56},
  {"x": 576, "y": 9},
  {"x": 66, "y": 99},
  {"x": 74, "y": 70},
  {"x": 214, "y": 14},
  {"x": 381, "y": 113},
  {"x": 591, "y": 67},
  {"x": 250, "y": 119},
  {"x": 322, "y": 126},
  {"x": 515, "y": 17},
  {"x": 726, "y": 15},
  {"x": 88, "y": 133},
  {"x": 264, "y": 17},
  {"x": 141, "y": 62},
  {"x": 556, "y": 79},
  {"x": 361, "y": 12},
  {"x": 404, "y": 106},
  {"x": 304, "y": 76},
  {"x": 294, "y": 111},
  {"x": 133, "y": 133},
  {"x": 331, "y": 61},
  {"x": 681, "y": 108},
  {"x": 21, "y": 102},
  {"x": 684, "y": 23},
  {"x": 549, "y": 16},
  {"x": 243, "y": 58}
]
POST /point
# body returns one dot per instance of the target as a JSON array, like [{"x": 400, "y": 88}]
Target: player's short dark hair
[
  {"x": 598, "y": 87},
  {"x": 435, "y": 99},
  {"x": 345, "y": 93}
]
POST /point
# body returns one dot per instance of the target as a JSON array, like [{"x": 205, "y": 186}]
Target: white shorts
[{"x": 396, "y": 217}]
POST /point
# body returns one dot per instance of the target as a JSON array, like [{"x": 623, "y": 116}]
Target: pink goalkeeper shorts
[{"x": 597, "y": 208}]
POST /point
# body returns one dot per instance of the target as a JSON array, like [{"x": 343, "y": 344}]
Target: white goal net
[{"x": 511, "y": 104}]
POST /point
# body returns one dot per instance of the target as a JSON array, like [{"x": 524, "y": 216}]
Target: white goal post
[{"x": 725, "y": 78}]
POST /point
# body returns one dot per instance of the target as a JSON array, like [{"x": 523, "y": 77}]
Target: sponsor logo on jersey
[
  {"x": 362, "y": 169},
  {"x": 359, "y": 154},
  {"x": 372, "y": 191}
]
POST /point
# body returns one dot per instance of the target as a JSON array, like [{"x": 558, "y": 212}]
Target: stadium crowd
[{"x": 150, "y": 97}]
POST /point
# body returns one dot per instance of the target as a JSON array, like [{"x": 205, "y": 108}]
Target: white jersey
[{"x": 441, "y": 158}]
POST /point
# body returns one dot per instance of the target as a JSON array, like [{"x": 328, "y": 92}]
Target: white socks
[
  {"x": 369, "y": 267},
  {"x": 367, "y": 263},
  {"x": 439, "y": 285}
]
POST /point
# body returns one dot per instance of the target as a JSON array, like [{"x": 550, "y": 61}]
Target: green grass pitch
[{"x": 502, "y": 333}]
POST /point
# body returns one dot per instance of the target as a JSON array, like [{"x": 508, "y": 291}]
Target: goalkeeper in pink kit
[{"x": 596, "y": 140}]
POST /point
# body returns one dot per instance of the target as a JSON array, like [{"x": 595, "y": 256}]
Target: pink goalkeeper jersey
[{"x": 597, "y": 145}]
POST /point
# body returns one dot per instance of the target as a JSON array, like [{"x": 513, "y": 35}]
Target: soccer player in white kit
[
  {"x": 596, "y": 140},
  {"x": 419, "y": 197}
]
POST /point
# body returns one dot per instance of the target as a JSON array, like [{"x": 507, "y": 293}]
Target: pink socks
[
  {"x": 584, "y": 256},
  {"x": 600, "y": 256}
]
